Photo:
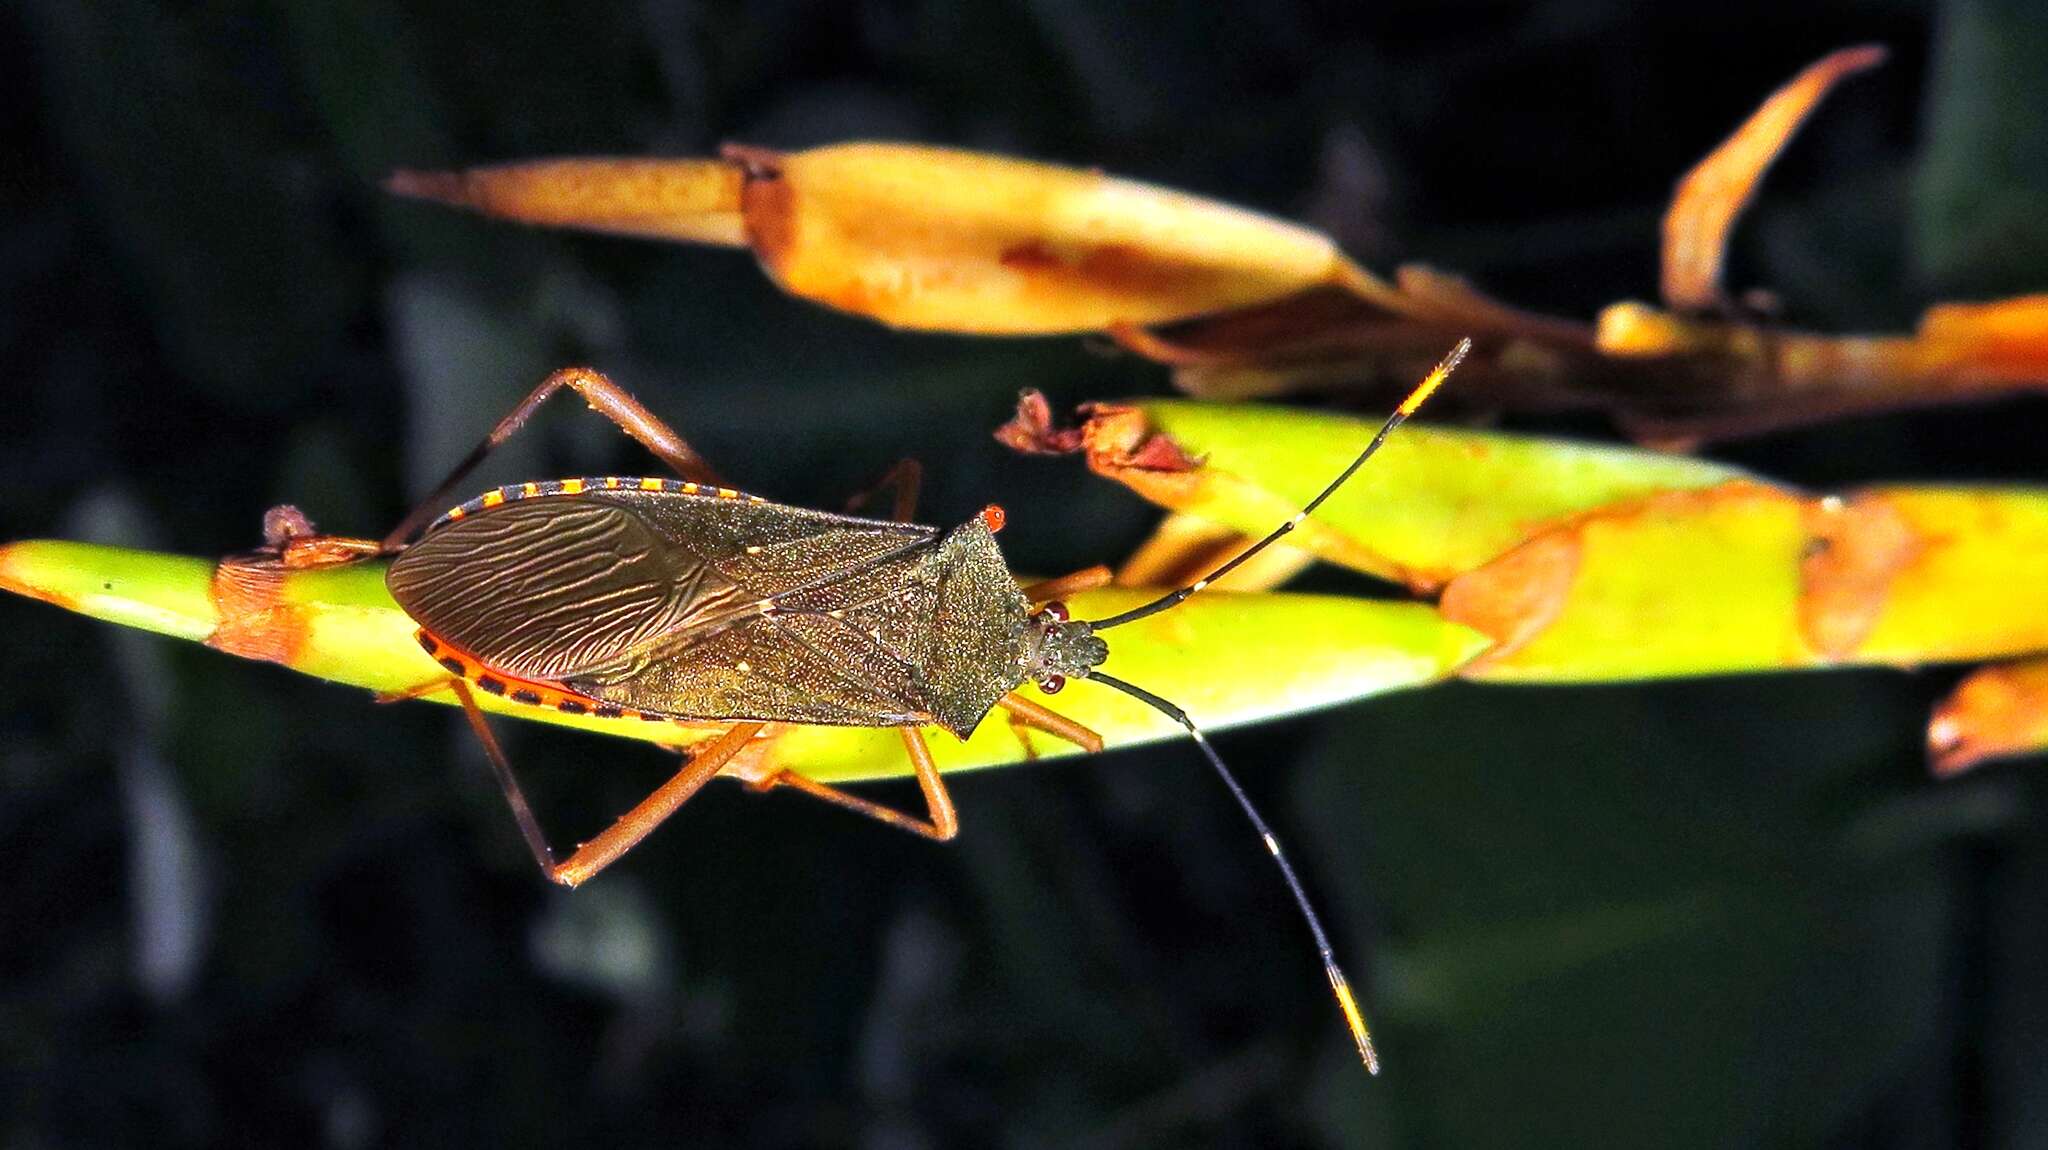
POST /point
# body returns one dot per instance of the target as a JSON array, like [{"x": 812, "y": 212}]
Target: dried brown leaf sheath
[{"x": 1671, "y": 378}]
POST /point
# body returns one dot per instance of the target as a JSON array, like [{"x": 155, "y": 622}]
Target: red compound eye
[
  {"x": 995, "y": 517},
  {"x": 1056, "y": 610},
  {"x": 1052, "y": 684}
]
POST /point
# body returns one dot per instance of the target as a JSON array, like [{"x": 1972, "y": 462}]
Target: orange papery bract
[
  {"x": 1243, "y": 305},
  {"x": 931, "y": 238}
]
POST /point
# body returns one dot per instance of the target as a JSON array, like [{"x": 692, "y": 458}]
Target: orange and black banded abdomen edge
[
  {"x": 546, "y": 695},
  {"x": 545, "y": 488}
]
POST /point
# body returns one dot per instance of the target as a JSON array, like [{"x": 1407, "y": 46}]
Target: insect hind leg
[
  {"x": 625, "y": 832},
  {"x": 942, "y": 823},
  {"x": 291, "y": 541},
  {"x": 501, "y": 767},
  {"x": 604, "y": 397}
]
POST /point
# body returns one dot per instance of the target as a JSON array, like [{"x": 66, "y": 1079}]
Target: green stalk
[{"x": 1229, "y": 659}]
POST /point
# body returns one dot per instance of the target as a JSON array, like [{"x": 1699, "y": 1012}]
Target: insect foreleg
[
  {"x": 1066, "y": 586},
  {"x": 1038, "y": 717},
  {"x": 604, "y": 397}
]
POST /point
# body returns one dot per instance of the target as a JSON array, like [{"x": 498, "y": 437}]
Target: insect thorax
[{"x": 980, "y": 628}]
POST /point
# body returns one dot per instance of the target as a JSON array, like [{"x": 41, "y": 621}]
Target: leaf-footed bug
[{"x": 685, "y": 601}]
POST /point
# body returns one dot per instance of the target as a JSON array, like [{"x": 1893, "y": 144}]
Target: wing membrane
[
  {"x": 547, "y": 588},
  {"x": 594, "y": 587}
]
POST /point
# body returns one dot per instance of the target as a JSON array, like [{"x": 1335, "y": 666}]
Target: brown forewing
[
  {"x": 564, "y": 587},
  {"x": 926, "y": 635},
  {"x": 546, "y": 588}
]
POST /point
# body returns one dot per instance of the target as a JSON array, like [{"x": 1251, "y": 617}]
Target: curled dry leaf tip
[
  {"x": 1997, "y": 712},
  {"x": 1032, "y": 431},
  {"x": 1711, "y": 197}
]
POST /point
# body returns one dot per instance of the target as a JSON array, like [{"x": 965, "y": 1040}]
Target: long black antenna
[
  {"x": 1415, "y": 399},
  {"x": 1339, "y": 985}
]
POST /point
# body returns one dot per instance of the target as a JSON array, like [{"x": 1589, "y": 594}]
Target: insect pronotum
[{"x": 689, "y": 602}]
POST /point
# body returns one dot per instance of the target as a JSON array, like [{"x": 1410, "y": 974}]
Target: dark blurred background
[{"x": 247, "y": 908}]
